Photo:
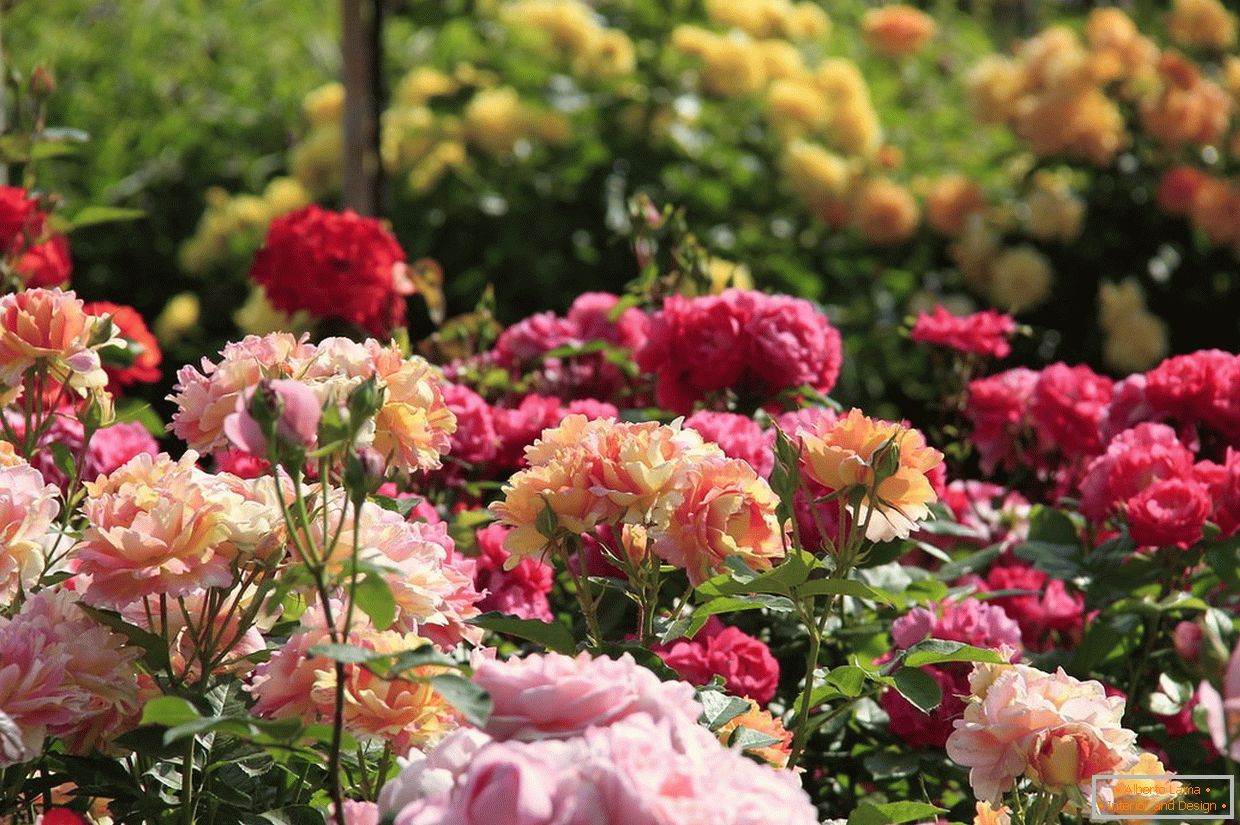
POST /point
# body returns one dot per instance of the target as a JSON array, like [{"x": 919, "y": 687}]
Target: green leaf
[
  {"x": 133, "y": 409},
  {"x": 1224, "y": 560},
  {"x": 168, "y": 711},
  {"x": 472, "y": 701},
  {"x": 749, "y": 739},
  {"x": 919, "y": 688},
  {"x": 546, "y": 522},
  {"x": 971, "y": 563},
  {"x": 63, "y": 458},
  {"x": 404, "y": 506},
  {"x": 886, "y": 765},
  {"x": 1059, "y": 561},
  {"x": 726, "y": 604},
  {"x": 893, "y": 813},
  {"x": 844, "y": 587},
  {"x": 156, "y": 655},
  {"x": 348, "y": 654},
  {"x": 551, "y": 635},
  {"x": 936, "y": 651},
  {"x": 94, "y": 215},
  {"x": 1051, "y": 526},
  {"x": 848, "y": 679},
  {"x": 374, "y": 597},
  {"x": 719, "y": 708}
]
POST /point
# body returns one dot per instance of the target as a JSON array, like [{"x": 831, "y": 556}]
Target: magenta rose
[{"x": 1168, "y": 513}]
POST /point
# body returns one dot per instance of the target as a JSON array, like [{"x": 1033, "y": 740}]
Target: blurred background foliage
[{"x": 514, "y": 136}]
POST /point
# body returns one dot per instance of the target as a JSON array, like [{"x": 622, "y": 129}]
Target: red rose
[
  {"x": 985, "y": 333},
  {"x": 1168, "y": 513},
  {"x": 1177, "y": 189},
  {"x": 46, "y": 264},
  {"x": 18, "y": 211},
  {"x": 1067, "y": 406},
  {"x": 143, "y": 355},
  {"x": 745, "y": 663},
  {"x": 1134, "y": 458},
  {"x": 694, "y": 347},
  {"x": 521, "y": 591},
  {"x": 334, "y": 265}
]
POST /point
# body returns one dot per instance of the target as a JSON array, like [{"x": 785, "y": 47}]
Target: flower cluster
[
  {"x": 753, "y": 344},
  {"x": 582, "y": 738},
  {"x": 334, "y": 265},
  {"x": 983, "y": 333},
  {"x": 676, "y": 496},
  {"x": 37, "y": 255},
  {"x": 412, "y": 427}
]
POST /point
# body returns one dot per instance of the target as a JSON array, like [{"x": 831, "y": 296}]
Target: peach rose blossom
[
  {"x": 1050, "y": 727},
  {"x": 164, "y": 527},
  {"x": 28, "y": 506},
  {"x": 760, "y": 720},
  {"x": 432, "y": 586},
  {"x": 844, "y": 455},
  {"x": 897, "y": 31},
  {"x": 206, "y": 397},
  {"x": 414, "y": 425},
  {"x": 726, "y": 511},
  {"x": 51, "y": 328},
  {"x": 405, "y": 713},
  {"x": 987, "y": 814},
  {"x": 100, "y": 669}
]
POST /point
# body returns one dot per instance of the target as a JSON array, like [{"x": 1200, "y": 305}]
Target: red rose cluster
[
  {"x": 334, "y": 265},
  {"x": 746, "y": 665},
  {"x": 755, "y": 344},
  {"x": 1158, "y": 452},
  {"x": 982, "y": 333},
  {"x": 39, "y": 256}
]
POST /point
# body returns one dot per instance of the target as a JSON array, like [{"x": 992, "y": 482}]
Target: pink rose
[
  {"x": 552, "y": 696},
  {"x": 1168, "y": 513},
  {"x": 297, "y": 412},
  {"x": 745, "y": 663}
]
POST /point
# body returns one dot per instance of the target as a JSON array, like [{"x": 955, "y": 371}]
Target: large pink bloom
[
  {"x": 1133, "y": 460},
  {"x": 28, "y": 505},
  {"x": 552, "y": 696}
]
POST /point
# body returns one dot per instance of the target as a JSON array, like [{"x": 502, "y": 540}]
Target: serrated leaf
[
  {"x": 551, "y": 635},
  {"x": 168, "y": 711},
  {"x": 749, "y": 739},
  {"x": 893, "y": 813},
  {"x": 63, "y": 458},
  {"x": 719, "y": 708},
  {"x": 472, "y": 701},
  {"x": 404, "y": 506},
  {"x": 347, "y": 654},
  {"x": 936, "y": 651},
  {"x": 848, "y": 679},
  {"x": 918, "y": 687},
  {"x": 374, "y": 597},
  {"x": 845, "y": 587}
]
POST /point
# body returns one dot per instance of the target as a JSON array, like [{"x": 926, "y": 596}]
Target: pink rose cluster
[
  {"x": 577, "y": 740},
  {"x": 745, "y": 663},
  {"x": 1046, "y": 610},
  {"x": 63, "y": 675},
  {"x": 970, "y": 621},
  {"x": 754, "y": 344},
  {"x": 982, "y": 333},
  {"x": 1054, "y": 729},
  {"x": 1039, "y": 418},
  {"x": 594, "y": 317},
  {"x": 492, "y": 438},
  {"x": 1158, "y": 447},
  {"x": 520, "y": 591}
]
